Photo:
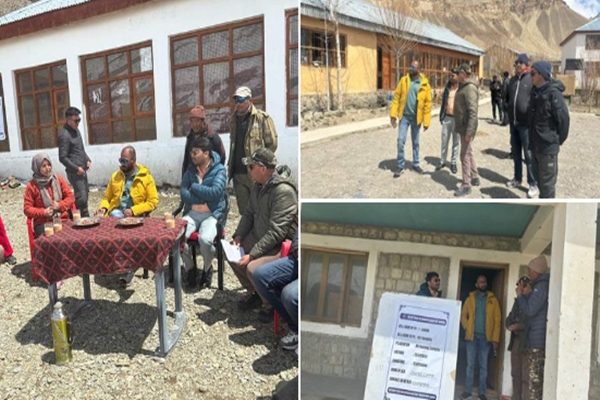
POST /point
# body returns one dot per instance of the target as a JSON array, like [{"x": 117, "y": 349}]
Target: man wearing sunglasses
[
  {"x": 71, "y": 154},
  {"x": 250, "y": 129}
]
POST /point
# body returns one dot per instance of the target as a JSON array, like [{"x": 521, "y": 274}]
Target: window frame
[
  {"x": 570, "y": 61},
  {"x": 58, "y": 121},
  {"x": 288, "y": 48},
  {"x": 310, "y": 48},
  {"x": 592, "y": 39},
  {"x": 200, "y": 63},
  {"x": 106, "y": 80}
]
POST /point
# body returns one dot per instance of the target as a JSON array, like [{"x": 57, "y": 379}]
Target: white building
[
  {"x": 581, "y": 51},
  {"x": 135, "y": 68}
]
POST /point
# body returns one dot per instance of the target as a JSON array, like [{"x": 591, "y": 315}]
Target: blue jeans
[
  {"x": 405, "y": 122},
  {"x": 206, "y": 225},
  {"x": 477, "y": 348},
  {"x": 519, "y": 144},
  {"x": 270, "y": 281}
]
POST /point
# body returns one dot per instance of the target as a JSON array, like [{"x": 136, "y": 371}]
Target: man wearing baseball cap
[
  {"x": 268, "y": 219},
  {"x": 250, "y": 129},
  {"x": 535, "y": 308},
  {"x": 548, "y": 126}
]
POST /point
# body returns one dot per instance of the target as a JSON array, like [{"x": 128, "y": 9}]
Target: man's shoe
[
  {"x": 532, "y": 192},
  {"x": 417, "y": 169},
  {"x": 398, "y": 172},
  {"x": 206, "y": 278},
  {"x": 127, "y": 278},
  {"x": 482, "y": 397},
  {"x": 475, "y": 182},
  {"x": 439, "y": 167},
  {"x": 11, "y": 260},
  {"x": 453, "y": 168},
  {"x": 249, "y": 302},
  {"x": 290, "y": 341},
  {"x": 462, "y": 191},
  {"x": 266, "y": 315},
  {"x": 465, "y": 396},
  {"x": 513, "y": 183}
]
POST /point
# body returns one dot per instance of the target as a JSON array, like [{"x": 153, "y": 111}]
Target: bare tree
[
  {"x": 590, "y": 75},
  {"x": 332, "y": 8},
  {"x": 400, "y": 30}
]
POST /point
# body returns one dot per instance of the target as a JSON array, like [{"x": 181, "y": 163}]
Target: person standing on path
[
  {"x": 496, "y": 91},
  {"x": 448, "y": 123},
  {"x": 466, "y": 108},
  {"x": 548, "y": 127},
  {"x": 504, "y": 105},
  {"x": 412, "y": 106},
  {"x": 71, "y": 154},
  {"x": 516, "y": 323}
]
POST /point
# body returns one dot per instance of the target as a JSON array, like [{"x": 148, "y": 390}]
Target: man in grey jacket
[
  {"x": 535, "y": 308},
  {"x": 71, "y": 154},
  {"x": 466, "y": 107},
  {"x": 268, "y": 220}
]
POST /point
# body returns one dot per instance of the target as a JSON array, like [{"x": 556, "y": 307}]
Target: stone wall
[{"x": 318, "y": 102}]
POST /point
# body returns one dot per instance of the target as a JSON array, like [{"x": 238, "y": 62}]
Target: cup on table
[
  {"x": 76, "y": 215},
  {"x": 169, "y": 220},
  {"x": 48, "y": 229},
  {"x": 57, "y": 224}
]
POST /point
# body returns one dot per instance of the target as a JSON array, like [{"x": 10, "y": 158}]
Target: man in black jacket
[
  {"x": 516, "y": 323},
  {"x": 519, "y": 90},
  {"x": 505, "y": 81},
  {"x": 72, "y": 155},
  {"x": 496, "y": 90},
  {"x": 200, "y": 128},
  {"x": 431, "y": 286},
  {"x": 548, "y": 126}
]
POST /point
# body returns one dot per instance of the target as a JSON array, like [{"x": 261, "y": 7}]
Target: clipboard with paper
[{"x": 233, "y": 254}]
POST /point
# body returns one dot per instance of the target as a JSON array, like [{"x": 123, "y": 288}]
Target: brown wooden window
[
  {"x": 43, "y": 97},
  {"x": 314, "y": 44},
  {"x": 592, "y": 42},
  {"x": 4, "y": 140},
  {"x": 208, "y": 66},
  {"x": 119, "y": 94},
  {"x": 292, "y": 67},
  {"x": 333, "y": 286}
]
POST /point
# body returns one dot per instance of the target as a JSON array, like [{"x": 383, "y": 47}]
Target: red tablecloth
[{"x": 104, "y": 249}]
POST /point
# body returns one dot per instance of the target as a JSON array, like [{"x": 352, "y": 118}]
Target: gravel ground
[
  {"x": 222, "y": 354},
  {"x": 359, "y": 165}
]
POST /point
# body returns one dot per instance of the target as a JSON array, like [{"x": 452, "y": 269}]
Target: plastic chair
[{"x": 286, "y": 247}]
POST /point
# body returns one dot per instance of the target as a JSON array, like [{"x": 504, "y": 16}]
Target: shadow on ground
[
  {"x": 499, "y": 154},
  {"x": 497, "y": 192},
  {"x": 492, "y": 176},
  {"x": 23, "y": 271},
  {"x": 272, "y": 363}
]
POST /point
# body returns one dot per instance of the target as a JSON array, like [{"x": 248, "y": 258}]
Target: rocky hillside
[{"x": 533, "y": 26}]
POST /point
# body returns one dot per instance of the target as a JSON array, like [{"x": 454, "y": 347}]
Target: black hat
[
  {"x": 262, "y": 156},
  {"x": 466, "y": 68}
]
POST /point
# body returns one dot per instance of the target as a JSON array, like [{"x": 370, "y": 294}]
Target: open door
[{"x": 4, "y": 142}]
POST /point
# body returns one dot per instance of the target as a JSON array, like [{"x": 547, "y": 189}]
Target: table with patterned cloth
[{"x": 109, "y": 248}]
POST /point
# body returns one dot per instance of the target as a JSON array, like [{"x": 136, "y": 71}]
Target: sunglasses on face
[
  {"x": 239, "y": 100},
  {"x": 123, "y": 161}
]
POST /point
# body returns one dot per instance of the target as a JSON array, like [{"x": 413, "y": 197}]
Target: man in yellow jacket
[
  {"x": 481, "y": 321},
  {"x": 412, "y": 107}
]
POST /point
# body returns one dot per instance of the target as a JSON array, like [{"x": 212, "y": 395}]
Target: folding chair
[{"x": 286, "y": 247}]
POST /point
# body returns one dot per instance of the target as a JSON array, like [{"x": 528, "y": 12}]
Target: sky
[{"x": 587, "y": 8}]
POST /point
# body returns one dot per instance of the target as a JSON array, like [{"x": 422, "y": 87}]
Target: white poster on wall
[
  {"x": 414, "y": 349},
  {"x": 2, "y": 133}
]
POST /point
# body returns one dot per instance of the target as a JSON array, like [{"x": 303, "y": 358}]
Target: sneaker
[
  {"x": 482, "y": 397},
  {"x": 465, "y": 396},
  {"x": 127, "y": 278},
  {"x": 417, "y": 169},
  {"x": 462, "y": 191},
  {"x": 513, "y": 183},
  {"x": 439, "y": 167},
  {"x": 266, "y": 315},
  {"x": 249, "y": 302},
  {"x": 398, "y": 172},
  {"x": 475, "y": 182},
  {"x": 290, "y": 341},
  {"x": 532, "y": 192},
  {"x": 11, "y": 260},
  {"x": 453, "y": 168}
]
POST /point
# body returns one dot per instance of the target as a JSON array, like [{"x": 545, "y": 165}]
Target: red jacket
[{"x": 34, "y": 205}]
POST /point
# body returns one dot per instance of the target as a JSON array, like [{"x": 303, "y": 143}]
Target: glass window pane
[
  {"x": 218, "y": 118},
  {"x": 215, "y": 45},
  {"x": 293, "y": 84},
  {"x": 143, "y": 86},
  {"x": 182, "y": 124},
  {"x": 249, "y": 72},
  {"x": 141, "y": 60},
  {"x": 25, "y": 85},
  {"x": 293, "y": 39},
  {"x": 356, "y": 291},
  {"x": 98, "y": 101},
  {"x": 117, "y": 64},
  {"x": 334, "y": 291},
  {"x": 305, "y": 37},
  {"x": 293, "y": 113},
  {"x": 122, "y": 132},
  {"x": 310, "y": 293},
  {"x": 187, "y": 88},
  {"x": 185, "y": 50},
  {"x": 29, "y": 139},
  {"x": 59, "y": 75},
  {"x": 94, "y": 69},
  {"x": 27, "y": 111},
  {"x": 145, "y": 128},
  {"x": 62, "y": 98},
  {"x": 144, "y": 104},
  {"x": 44, "y": 109},
  {"x": 42, "y": 79},
  {"x": 99, "y": 133},
  {"x": 119, "y": 96},
  {"x": 247, "y": 38},
  {"x": 216, "y": 83},
  {"x": 48, "y": 137}
]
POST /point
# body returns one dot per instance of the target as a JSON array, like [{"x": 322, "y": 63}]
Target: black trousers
[
  {"x": 497, "y": 103},
  {"x": 82, "y": 190},
  {"x": 545, "y": 171}
]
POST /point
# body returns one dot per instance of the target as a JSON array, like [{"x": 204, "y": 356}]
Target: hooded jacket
[
  {"x": 466, "y": 107},
  {"x": 492, "y": 317},
  {"x": 423, "y": 100},
  {"x": 143, "y": 192},
  {"x": 548, "y": 118},
  {"x": 270, "y": 217},
  {"x": 215, "y": 142},
  {"x": 425, "y": 292},
  {"x": 535, "y": 308},
  {"x": 517, "y": 98},
  {"x": 211, "y": 191},
  {"x": 445, "y": 98}
]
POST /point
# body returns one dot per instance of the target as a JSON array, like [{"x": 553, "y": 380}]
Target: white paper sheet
[{"x": 232, "y": 252}]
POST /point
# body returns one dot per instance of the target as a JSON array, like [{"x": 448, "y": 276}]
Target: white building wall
[
  {"x": 156, "y": 21},
  {"x": 575, "y": 48}
]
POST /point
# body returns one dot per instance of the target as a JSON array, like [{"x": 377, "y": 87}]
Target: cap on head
[
  {"x": 539, "y": 265},
  {"x": 243, "y": 91},
  {"x": 454, "y": 70},
  {"x": 466, "y": 68},
  {"x": 523, "y": 59},
  {"x": 544, "y": 68},
  {"x": 262, "y": 156},
  {"x": 198, "y": 112}
]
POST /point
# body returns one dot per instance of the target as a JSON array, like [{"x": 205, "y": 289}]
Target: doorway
[
  {"x": 497, "y": 275},
  {"x": 4, "y": 143}
]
